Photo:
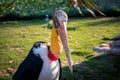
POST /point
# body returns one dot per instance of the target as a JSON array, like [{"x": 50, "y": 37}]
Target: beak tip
[{"x": 71, "y": 69}]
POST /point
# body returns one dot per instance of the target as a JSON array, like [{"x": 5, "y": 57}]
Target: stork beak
[{"x": 63, "y": 35}]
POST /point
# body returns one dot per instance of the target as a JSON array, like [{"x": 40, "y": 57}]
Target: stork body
[
  {"x": 50, "y": 69},
  {"x": 37, "y": 66},
  {"x": 42, "y": 62}
]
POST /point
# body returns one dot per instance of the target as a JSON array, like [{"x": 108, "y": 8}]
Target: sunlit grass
[{"x": 17, "y": 38}]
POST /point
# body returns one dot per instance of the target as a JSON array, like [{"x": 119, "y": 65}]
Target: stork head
[{"x": 60, "y": 19}]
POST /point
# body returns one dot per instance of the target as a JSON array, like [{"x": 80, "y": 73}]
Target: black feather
[{"x": 30, "y": 68}]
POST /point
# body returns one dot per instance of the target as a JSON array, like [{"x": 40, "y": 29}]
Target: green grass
[{"x": 17, "y": 38}]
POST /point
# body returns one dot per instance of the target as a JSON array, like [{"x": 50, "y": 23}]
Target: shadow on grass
[
  {"x": 97, "y": 68},
  {"x": 22, "y": 23},
  {"x": 104, "y": 21},
  {"x": 81, "y": 53},
  {"x": 43, "y": 24}
]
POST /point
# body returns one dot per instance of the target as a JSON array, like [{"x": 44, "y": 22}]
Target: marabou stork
[{"x": 42, "y": 62}]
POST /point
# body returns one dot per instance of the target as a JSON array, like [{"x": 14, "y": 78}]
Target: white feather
[{"x": 50, "y": 69}]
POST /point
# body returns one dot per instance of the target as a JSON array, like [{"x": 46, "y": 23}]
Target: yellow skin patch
[{"x": 56, "y": 44}]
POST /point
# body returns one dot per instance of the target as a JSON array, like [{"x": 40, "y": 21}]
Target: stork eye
[
  {"x": 63, "y": 19},
  {"x": 37, "y": 45}
]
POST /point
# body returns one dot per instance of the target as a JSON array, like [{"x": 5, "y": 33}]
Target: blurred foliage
[
  {"x": 38, "y": 8},
  {"x": 5, "y": 5},
  {"x": 87, "y": 4},
  {"x": 110, "y": 7},
  {"x": 31, "y": 7}
]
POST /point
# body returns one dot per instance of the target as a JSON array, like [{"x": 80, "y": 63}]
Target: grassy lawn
[{"x": 17, "y": 37}]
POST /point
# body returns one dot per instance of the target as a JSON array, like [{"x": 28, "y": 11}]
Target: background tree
[
  {"x": 38, "y": 8},
  {"x": 5, "y": 5}
]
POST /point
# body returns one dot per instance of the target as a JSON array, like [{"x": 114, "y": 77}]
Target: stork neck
[{"x": 56, "y": 44}]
